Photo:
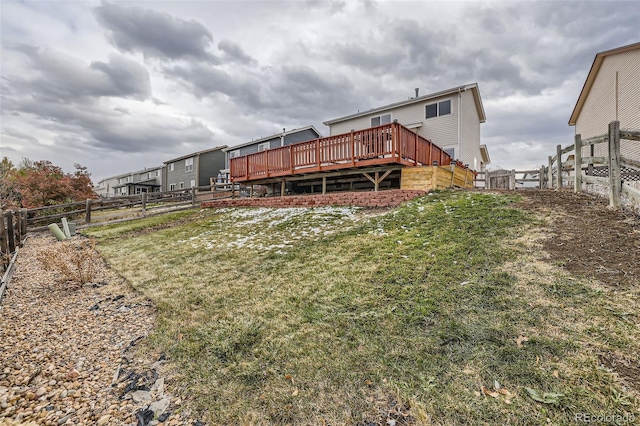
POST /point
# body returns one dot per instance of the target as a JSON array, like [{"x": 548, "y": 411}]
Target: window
[
  {"x": 170, "y": 167},
  {"x": 380, "y": 120},
  {"x": 438, "y": 109},
  {"x": 127, "y": 179},
  {"x": 264, "y": 146},
  {"x": 234, "y": 154},
  {"x": 172, "y": 187},
  {"x": 193, "y": 183},
  {"x": 181, "y": 185},
  {"x": 188, "y": 164},
  {"x": 451, "y": 152},
  {"x": 149, "y": 175},
  {"x": 119, "y": 181},
  {"x": 157, "y": 173}
]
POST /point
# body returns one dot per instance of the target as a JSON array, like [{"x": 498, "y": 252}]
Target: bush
[{"x": 75, "y": 261}]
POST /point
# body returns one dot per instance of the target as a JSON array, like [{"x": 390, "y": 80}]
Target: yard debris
[
  {"x": 545, "y": 398},
  {"x": 521, "y": 339},
  {"x": 498, "y": 392}
]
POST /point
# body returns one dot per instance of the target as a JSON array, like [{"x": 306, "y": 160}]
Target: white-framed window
[
  {"x": 157, "y": 173},
  {"x": 193, "y": 183},
  {"x": 120, "y": 181},
  {"x": 123, "y": 191},
  {"x": 438, "y": 109},
  {"x": 380, "y": 120},
  {"x": 149, "y": 175},
  {"x": 264, "y": 146},
  {"x": 171, "y": 167},
  {"x": 172, "y": 187},
  {"x": 234, "y": 154},
  {"x": 181, "y": 185},
  {"x": 451, "y": 152},
  {"x": 127, "y": 179},
  {"x": 188, "y": 164}
]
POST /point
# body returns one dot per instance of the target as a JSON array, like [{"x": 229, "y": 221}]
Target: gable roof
[
  {"x": 591, "y": 78},
  {"x": 195, "y": 154},
  {"x": 473, "y": 87},
  {"x": 274, "y": 136}
]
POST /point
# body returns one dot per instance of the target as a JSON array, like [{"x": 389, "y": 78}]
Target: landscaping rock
[{"x": 63, "y": 363}]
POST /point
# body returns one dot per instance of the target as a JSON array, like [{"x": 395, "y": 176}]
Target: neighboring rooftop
[
  {"x": 194, "y": 154},
  {"x": 275, "y": 135}
]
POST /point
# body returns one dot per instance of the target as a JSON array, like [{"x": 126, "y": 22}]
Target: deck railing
[{"x": 386, "y": 144}]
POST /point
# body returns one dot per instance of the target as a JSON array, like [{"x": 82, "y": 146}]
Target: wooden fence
[
  {"x": 616, "y": 170},
  {"x": 13, "y": 233}
]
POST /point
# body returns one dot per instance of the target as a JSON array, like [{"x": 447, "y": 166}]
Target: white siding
[
  {"x": 470, "y": 132},
  {"x": 443, "y": 130},
  {"x": 600, "y": 106}
]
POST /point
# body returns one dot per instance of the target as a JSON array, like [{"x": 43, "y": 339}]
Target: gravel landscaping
[{"x": 69, "y": 352}]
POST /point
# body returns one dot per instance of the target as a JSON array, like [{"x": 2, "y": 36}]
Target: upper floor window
[
  {"x": 264, "y": 146},
  {"x": 380, "y": 120},
  {"x": 451, "y": 152},
  {"x": 437, "y": 109},
  {"x": 171, "y": 167},
  {"x": 234, "y": 154},
  {"x": 188, "y": 164}
]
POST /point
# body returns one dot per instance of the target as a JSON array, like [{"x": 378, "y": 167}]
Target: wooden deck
[{"x": 388, "y": 144}]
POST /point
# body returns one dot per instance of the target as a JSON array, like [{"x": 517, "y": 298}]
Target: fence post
[
  {"x": 22, "y": 221},
  {"x": 87, "y": 217},
  {"x": 512, "y": 180},
  {"x": 10, "y": 233},
  {"x": 615, "y": 179},
  {"x": 541, "y": 177},
  {"x": 193, "y": 196},
  {"x": 4, "y": 244},
  {"x": 550, "y": 173},
  {"x": 577, "y": 167},
  {"x": 143, "y": 202},
  {"x": 559, "y": 166}
]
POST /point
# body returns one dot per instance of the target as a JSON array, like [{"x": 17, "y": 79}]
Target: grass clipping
[{"x": 75, "y": 262}]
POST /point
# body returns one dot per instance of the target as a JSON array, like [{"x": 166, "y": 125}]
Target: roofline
[
  {"x": 277, "y": 135},
  {"x": 195, "y": 154},
  {"x": 484, "y": 148},
  {"x": 591, "y": 77},
  {"x": 471, "y": 86},
  {"x": 121, "y": 175}
]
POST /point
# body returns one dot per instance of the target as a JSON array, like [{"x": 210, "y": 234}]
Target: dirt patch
[
  {"x": 628, "y": 371},
  {"x": 588, "y": 238}
]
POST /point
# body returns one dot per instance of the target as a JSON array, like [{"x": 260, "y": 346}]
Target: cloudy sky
[{"x": 118, "y": 86}]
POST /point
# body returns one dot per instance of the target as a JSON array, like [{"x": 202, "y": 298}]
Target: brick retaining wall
[{"x": 388, "y": 198}]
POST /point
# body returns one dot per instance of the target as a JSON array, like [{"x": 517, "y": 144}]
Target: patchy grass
[{"x": 437, "y": 312}]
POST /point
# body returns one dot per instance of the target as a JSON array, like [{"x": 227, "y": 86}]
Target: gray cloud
[
  {"x": 62, "y": 78},
  {"x": 19, "y": 135},
  {"x": 157, "y": 35},
  {"x": 234, "y": 53}
]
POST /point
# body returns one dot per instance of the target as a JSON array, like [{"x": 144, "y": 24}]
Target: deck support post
[
  {"x": 251, "y": 191},
  {"x": 324, "y": 185},
  {"x": 282, "y": 187},
  {"x": 377, "y": 178},
  {"x": 577, "y": 166}
]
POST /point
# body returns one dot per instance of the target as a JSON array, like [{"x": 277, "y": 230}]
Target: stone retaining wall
[{"x": 389, "y": 198}]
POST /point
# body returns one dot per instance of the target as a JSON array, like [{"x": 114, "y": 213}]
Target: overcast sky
[{"x": 118, "y": 86}]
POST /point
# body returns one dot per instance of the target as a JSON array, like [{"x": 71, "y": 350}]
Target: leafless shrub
[{"x": 74, "y": 261}]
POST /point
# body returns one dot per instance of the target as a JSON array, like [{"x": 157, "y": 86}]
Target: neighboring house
[
  {"x": 147, "y": 180},
  {"x": 131, "y": 183},
  {"x": 611, "y": 92},
  {"x": 277, "y": 140},
  {"x": 450, "y": 119},
  {"x": 195, "y": 169}
]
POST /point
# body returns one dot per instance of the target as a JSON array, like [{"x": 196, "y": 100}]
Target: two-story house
[
  {"x": 131, "y": 183},
  {"x": 284, "y": 138},
  {"x": 146, "y": 180},
  {"x": 193, "y": 170},
  {"x": 451, "y": 119},
  {"x": 611, "y": 92}
]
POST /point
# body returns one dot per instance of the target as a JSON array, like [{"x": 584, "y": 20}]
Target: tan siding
[{"x": 600, "y": 108}]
